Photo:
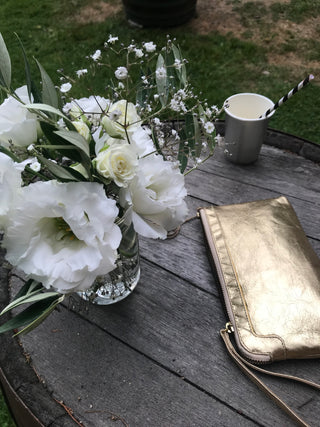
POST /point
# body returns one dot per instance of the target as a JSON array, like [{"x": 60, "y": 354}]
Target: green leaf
[
  {"x": 30, "y": 286},
  {"x": 5, "y": 64},
  {"x": 183, "y": 151},
  {"x": 182, "y": 72},
  {"x": 75, "y": 139},
  {"x": 161, "y": 82},
  {"x": 49, "y": 93},
  {"x": 58, "y": 171},
  {"x": 26, "y": 299},
  {"x": 190, "y": 131},
  {"x": 32, "y": 89},
  {"x": 46, "y": 108},
  {"x": 36, "y": 312},
  {"x": 9, "y": 153}
]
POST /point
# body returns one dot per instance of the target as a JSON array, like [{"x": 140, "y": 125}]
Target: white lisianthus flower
[
  {"x": 118, "y": 163},
  {"x": 63, "y": 234},
  {"x": 156, "y": 195},
  {"x": 128, "y": 119},
  {"x": 87, "y": 109},
  {"x": 17, "y": 124},
  {"x": 121, "y": 73},
  {"x": 142, "y": 142},
  {"x": 10, "y": 183},
  {"x": 149, "y": 47},
  {"x": 83, "y": 129},
  {"x": 65, "y": 87}
]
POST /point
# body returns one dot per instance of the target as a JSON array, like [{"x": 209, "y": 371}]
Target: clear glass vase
[{"x": 120, "y": 282}]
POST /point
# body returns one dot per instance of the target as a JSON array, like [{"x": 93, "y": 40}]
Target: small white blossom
[
  {"x": 112, "y": 39},
  {"x": 209, "y": 127},
  {"x": 96, "y": 55},
  {"x": 156, "y": 121},
  {"x": 161, "y": 73},
  {"x": 155, "y": 96},
  {"x": 81, "y": 72},
  {"x": 139, "y": 53},
  {"x": 149, "y": 47},
  {"x": 35, "y": 166},
  {"x": 144, "y": 80},
  {"x": 30, "y": 147},
  {"x": 121, "y": 73},
  {"x": 115, "y": 115},
  {"x": 177, "y": 64},
  {"x": 121, "y": 85},
  {"x": 65, "y": 87},
  {"x": 131, "y": 47}
]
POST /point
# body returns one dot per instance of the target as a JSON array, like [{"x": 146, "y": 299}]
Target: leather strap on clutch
[{"x": 270, "y": 281}]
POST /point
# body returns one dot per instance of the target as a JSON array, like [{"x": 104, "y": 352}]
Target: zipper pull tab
[{"x": 229, "y": 328}]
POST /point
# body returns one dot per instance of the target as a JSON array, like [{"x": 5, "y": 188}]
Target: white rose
[
  {"x": 156, "y": 195},
  {"x": 128, "y": 119},
  {"x": 17, "y": 124},
  {"x": 83, "y": 129},
  {"x": 63, "y": 234},
  {"x": 118, "y": 162}
]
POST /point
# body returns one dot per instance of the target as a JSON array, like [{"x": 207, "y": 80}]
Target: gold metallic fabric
[{"x": 270, "y": 278}]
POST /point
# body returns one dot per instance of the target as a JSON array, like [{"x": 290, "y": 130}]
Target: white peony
[
  {"x": 118, "y": 162},
  {"x": 63, "y": 234},
  {"x": 128, "y": 119},
  {"x": 156, "y": 195},
  {"x": 17, "y": 124}
]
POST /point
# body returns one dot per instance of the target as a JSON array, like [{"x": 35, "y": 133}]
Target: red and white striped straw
[{"x": 299, "y": 86}]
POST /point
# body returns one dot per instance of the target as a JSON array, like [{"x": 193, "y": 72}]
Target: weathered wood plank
[
  {"x": 288, "y": 174},
  {"x": 177, "y": 325},
  {"x": 156, "y": 358},
  {"x": 104, "y": 380},
  {"x": 307, "y": 212},
  {"x": 220, "y": 190}
]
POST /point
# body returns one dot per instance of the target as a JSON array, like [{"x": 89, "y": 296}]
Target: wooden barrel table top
[{"x": 156, "y": 358}]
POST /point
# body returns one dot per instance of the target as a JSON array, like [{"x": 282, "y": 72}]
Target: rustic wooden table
[{"x": 156, "y": 358}]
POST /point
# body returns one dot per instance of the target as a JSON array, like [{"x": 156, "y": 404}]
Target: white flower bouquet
[{"x": 71, "y": 167}]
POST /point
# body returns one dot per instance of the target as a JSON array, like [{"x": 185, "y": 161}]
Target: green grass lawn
[
  {"x": 255, "y": 58},
  {"x": 5, "y": 417},
  {"x": 219, "y": 64}
]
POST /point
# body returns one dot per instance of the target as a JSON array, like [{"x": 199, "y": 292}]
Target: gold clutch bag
[{"x": 270, "y": 281}]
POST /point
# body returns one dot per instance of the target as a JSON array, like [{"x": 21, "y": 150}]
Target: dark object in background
[{"x": 159, "y": 13}]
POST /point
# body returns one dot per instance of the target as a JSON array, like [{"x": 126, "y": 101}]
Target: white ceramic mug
[{"x": 244, "y": 129}]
